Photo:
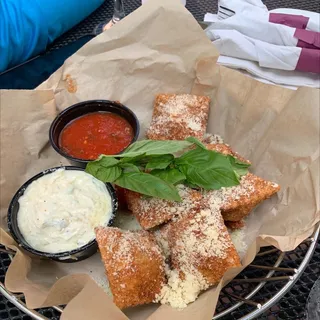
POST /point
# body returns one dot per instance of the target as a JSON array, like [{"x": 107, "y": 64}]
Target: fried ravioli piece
[
  {"x": 234, "y": 225},
  {"x": 244, "y": 198},
  {"x": 134, "y": 265},
  {"x": 151, "y": 212},
  {"x": 239, "y": 201},
  {"x": 210, "y": 138},
  {"x": 200, "y": 245},
  {"x": 179, "y": 116},
  {"x": 162, "y": 237}
]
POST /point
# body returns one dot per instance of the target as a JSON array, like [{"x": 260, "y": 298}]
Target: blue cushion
[{"x": 28, "y": 26}]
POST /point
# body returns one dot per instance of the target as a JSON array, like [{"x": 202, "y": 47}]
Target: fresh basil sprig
[
  {"x": 209, "y": 169},
  {"x": 149, "y": 167},
  {"x": 152, "y": 147},
  {"x": 149, "y": 185},
  {"x": 170, "y": 175},
  {"x": 160, "y": 162}
]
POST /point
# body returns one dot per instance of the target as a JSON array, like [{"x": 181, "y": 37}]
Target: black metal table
[{"x": 30, "y": 75}]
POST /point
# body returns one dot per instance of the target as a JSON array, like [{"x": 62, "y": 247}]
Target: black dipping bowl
[
  {"x": 81, "y": 109},
  {"x": 75, "y": 255}
]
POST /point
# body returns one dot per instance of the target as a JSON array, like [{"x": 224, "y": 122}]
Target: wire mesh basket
[{"x": 271, "y": 275}]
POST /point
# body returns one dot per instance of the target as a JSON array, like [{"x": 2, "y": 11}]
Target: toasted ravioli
[
  {"x": 234, "y": 225},
  {"x": 201, "y": 245},
  {"x": 134, "y": 265},
  {"x": 178, "y": 116},
  {"x": 252, "y": 191},
  {"x": 162, "y": 237},
  {"x": 151, "y": 212},
  {"x": 239, "y": 201}
]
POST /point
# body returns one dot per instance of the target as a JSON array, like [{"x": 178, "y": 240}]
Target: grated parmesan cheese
[
  {"x": 151, "y": 212},
  {"x": 194, "y": 125},
  {"x": 179, "y": 293},
  {"x": 238, "y": 237},
  {"x": 196, "y": 242},
  {"x": 162, "y": 240},
  {"x": 212, "y": 138},
  {"x": 203, "y": 232},
  {"x": 177, "y": 117},
  {"x": 225, "y": 196}
]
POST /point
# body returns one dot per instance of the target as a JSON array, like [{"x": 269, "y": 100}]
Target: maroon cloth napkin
[
  {"x": 309, "y": 61},
  {"x": 290, "y": 20},
  {"x": 307, "y": 39}
]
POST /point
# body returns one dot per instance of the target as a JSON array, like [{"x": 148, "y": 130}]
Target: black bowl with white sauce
[{"x": 53, "y": 215}]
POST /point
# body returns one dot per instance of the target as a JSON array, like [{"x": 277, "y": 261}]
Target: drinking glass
[{"x": 118, "y": 14}]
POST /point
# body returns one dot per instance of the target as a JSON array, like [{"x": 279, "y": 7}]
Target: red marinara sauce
[{"x": 93, "y": 134}]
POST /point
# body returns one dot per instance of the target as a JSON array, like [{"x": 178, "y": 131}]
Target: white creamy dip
[{"x": 59, "y": 211}]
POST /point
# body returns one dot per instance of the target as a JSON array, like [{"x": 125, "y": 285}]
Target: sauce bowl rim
[
  {"x": 24, "y": 244},
  {"x": 116, "y": 104}
]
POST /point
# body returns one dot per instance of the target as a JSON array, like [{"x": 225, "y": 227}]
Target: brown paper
[
  {"x": 25, "y": 119},
  {"x": 161, "y": 48},
  {"x": 98, "y": 306}
]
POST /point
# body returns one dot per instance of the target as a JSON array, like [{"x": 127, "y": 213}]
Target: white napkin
[
  {"x": 288, "y": 79},
  {"x": 247, "y": 41},
  {"x": 248, "y": 7},
  {"x": 254, "y": 8},
  {"x": 257, "y": 28},
  {"x": 232, "y": 43}
]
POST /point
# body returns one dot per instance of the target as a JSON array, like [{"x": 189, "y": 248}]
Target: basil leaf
[
  {"x": 160, "y": 162},
  {"x": 105, "y": 161},
  {"x": 196, "y": 142},
  {"x": 197, "y": 157},
  {"x": 129, "y": 167},
  {"x": 136, "y": 159},
  {"x": 191, "y": 185},
  {"x": 104, "y": 169},
  {"x": 124, "y": 155},
  {"x": 93, "y": 166},
  {"x": 238, "y": 163},
  {"x": 241, "y": 172},
  {"x": 210, "y": 178},
  {"x": 149, "y": 185},
  {"x": 154, "y": 147},
  {"x": 223, "y": 177},
  {"x": 170, "y": 175},
  {"x": 210, "y": 159},
  {"x": 136, "y": 146},
  {"x": 241, "y": 168},
  {"x": 108, "y": 174},
  {"x": 207, "y": 169}
]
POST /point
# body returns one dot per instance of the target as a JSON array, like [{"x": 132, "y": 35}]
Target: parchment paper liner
[{"x": 161, "y": 48}]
